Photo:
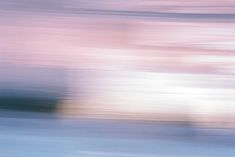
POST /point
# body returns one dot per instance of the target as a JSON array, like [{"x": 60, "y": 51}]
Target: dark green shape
[{"x": 32, "y": 104}]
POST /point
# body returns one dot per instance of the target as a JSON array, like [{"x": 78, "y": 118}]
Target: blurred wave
[{"x": 117, "y": 78}]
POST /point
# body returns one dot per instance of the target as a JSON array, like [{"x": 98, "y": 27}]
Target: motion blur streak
[{"x": 108, "y": 78}]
